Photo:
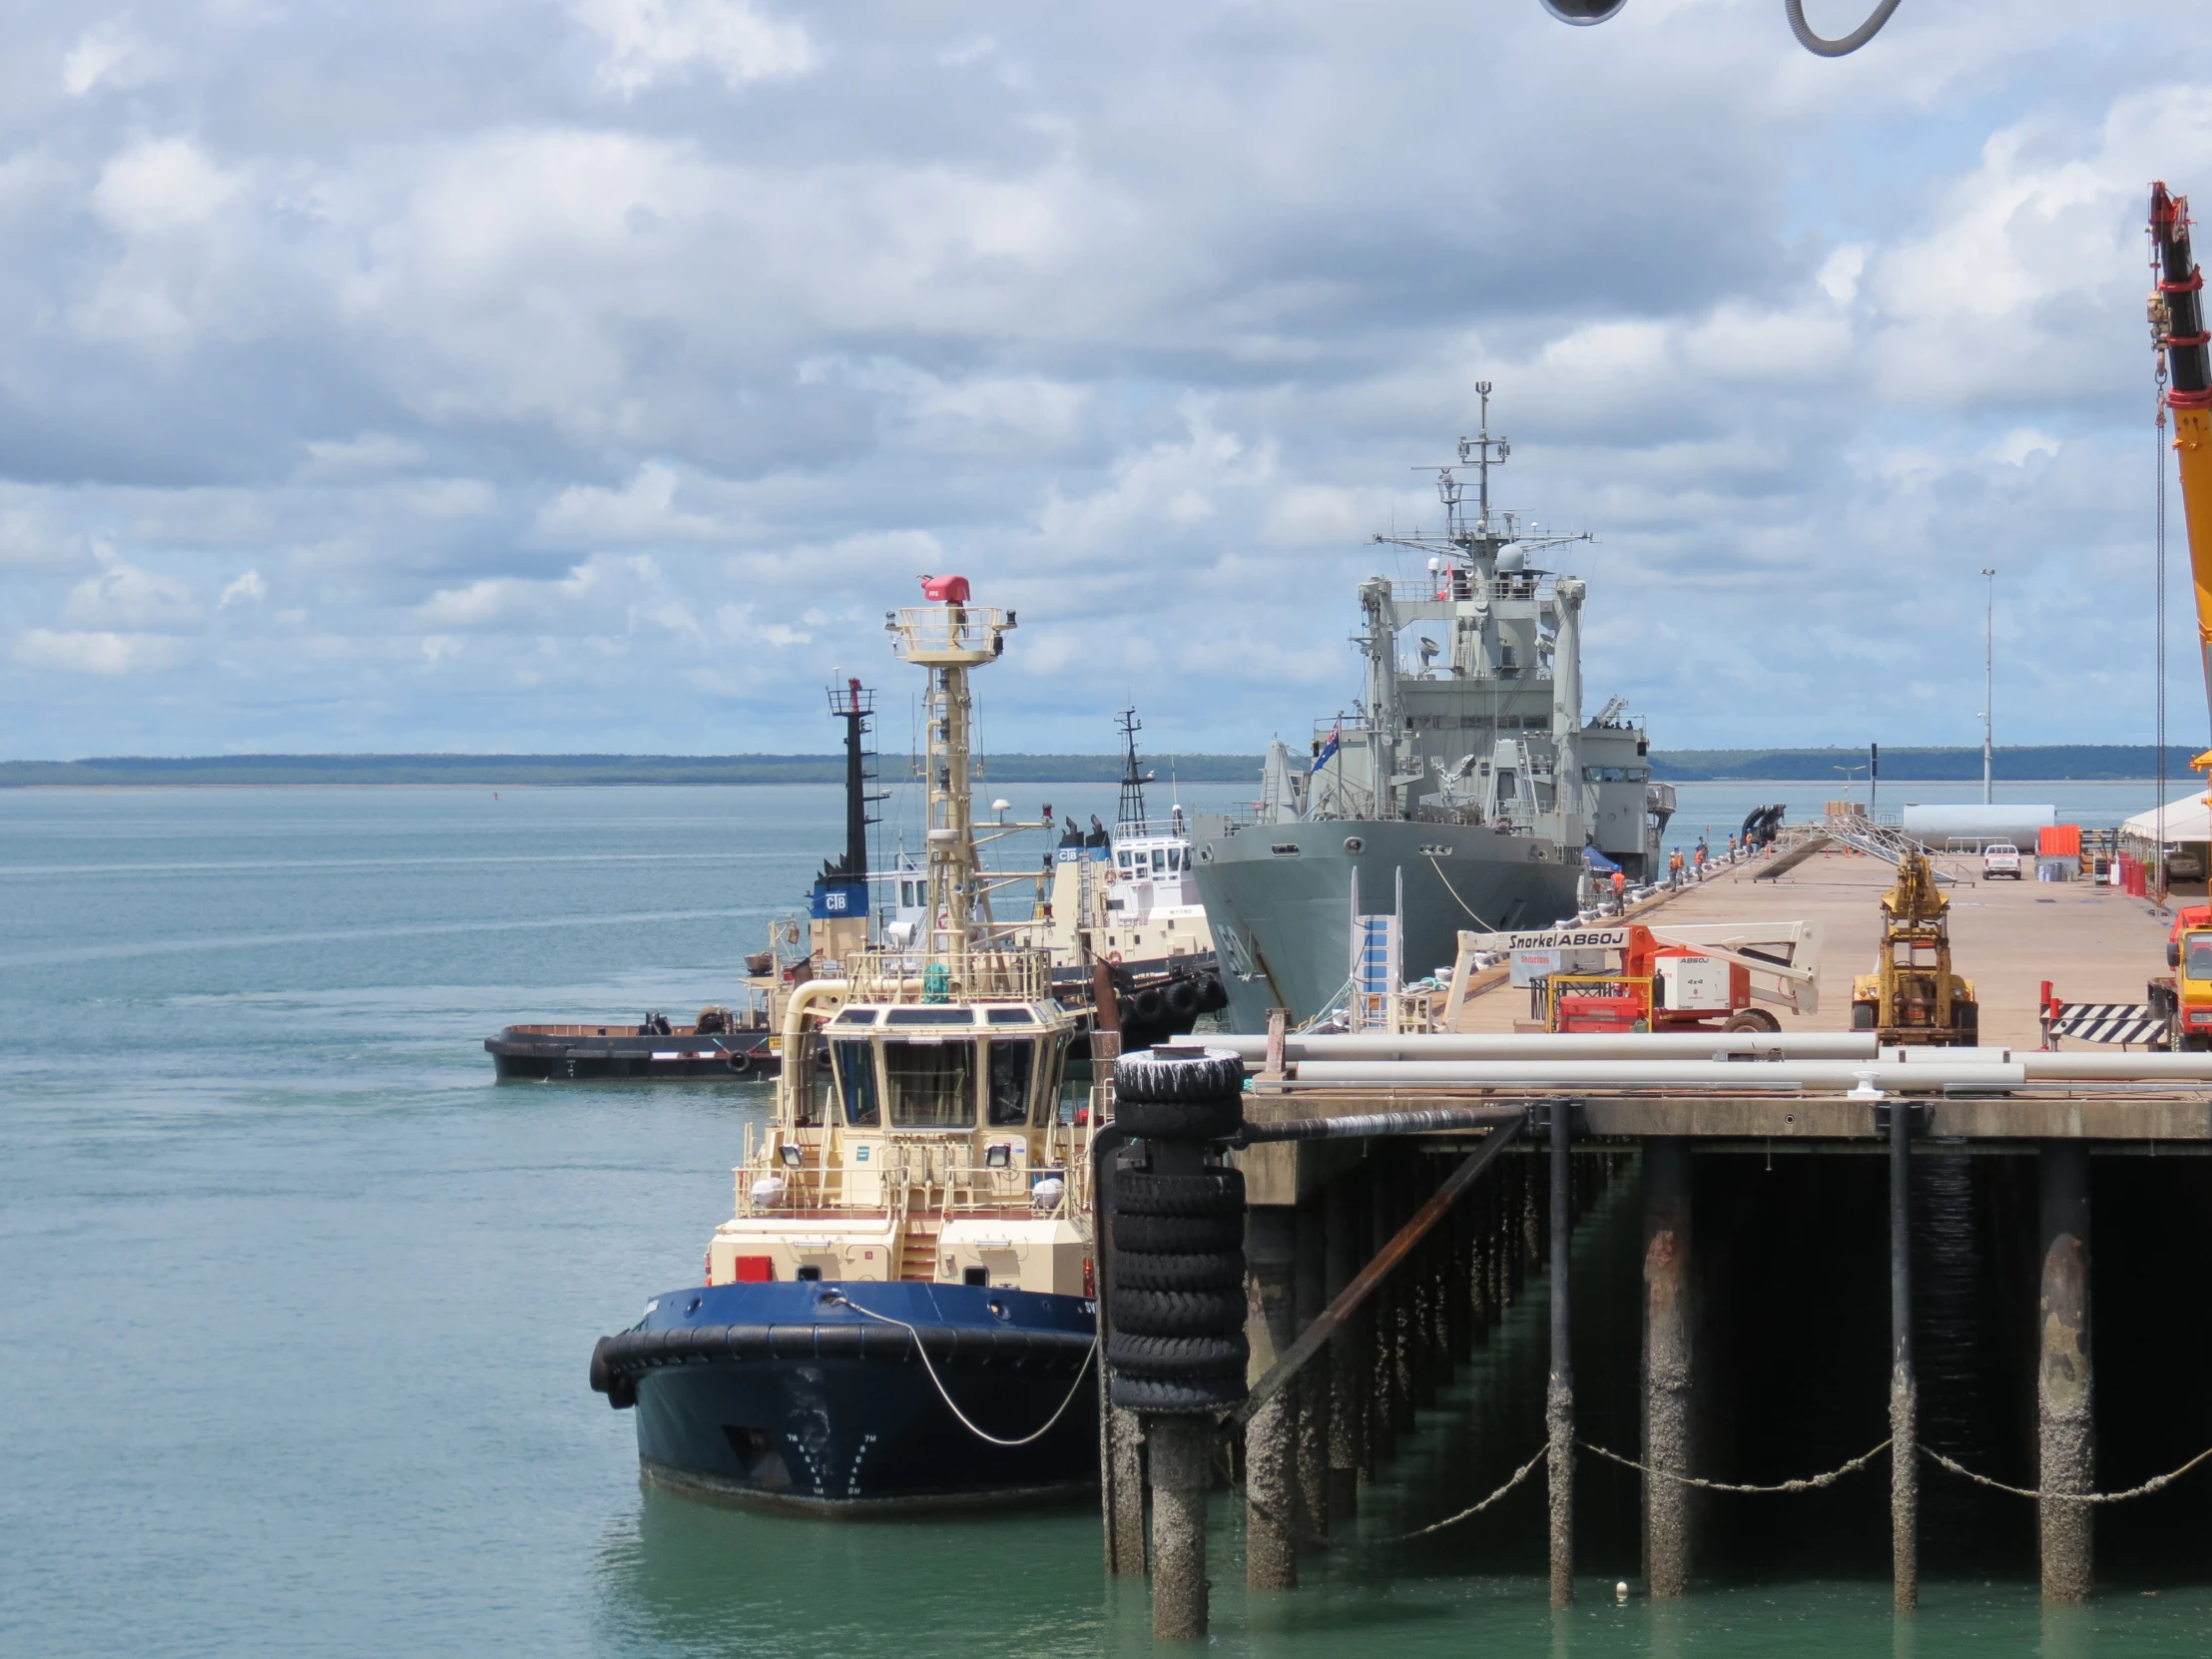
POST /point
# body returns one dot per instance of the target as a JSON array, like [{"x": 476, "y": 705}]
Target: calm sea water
[{"x": 295, "y": 1303}]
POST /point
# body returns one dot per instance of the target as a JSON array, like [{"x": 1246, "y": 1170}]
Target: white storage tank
[{"x": 2003, "y": 822}]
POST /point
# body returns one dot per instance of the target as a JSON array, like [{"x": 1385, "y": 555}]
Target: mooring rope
[
  {"x": 1454, "y": 892},
  {"x": 2156, "y": 1482},
  {"x": 1520, "y": 1475},
  {"x": 1810, "y": 1483},
  {"x": 922, "y": 1349}
]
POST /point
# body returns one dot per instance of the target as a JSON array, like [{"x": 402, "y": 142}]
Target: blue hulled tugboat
[{"x": 898, "y": 1313}]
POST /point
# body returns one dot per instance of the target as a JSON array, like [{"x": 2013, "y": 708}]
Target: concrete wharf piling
[{"x": 1393, "y": 1194}]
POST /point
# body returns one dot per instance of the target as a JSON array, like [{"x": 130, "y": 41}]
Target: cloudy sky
[{"x": 512, "y": 375}]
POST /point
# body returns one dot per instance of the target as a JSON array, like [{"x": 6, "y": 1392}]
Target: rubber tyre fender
[
  {"x": 1178, "y": 1358},
  {"x": 1213, "y": 1192},
  {"x": 1192, "y": 1397},
  {"x": 1177, "y": 1313},
  {"x": 1219, "y": 1270},
  {"x": 1191, "y": 1120},
  {"x": 1182, "y": 1000},
  {"x": 1178, "y": 1235},
  {"x": 620, "y": 1387},
  {"x": 1209, "y": 1075},
  {"x": 1149, "y": 1005},
  {"x": 1212, "y": 997}
]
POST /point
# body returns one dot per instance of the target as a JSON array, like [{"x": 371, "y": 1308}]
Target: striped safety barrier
[{"x": 2108, "y": 1023}]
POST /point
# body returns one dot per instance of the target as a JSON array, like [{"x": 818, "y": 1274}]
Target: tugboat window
[
  {"x": 1012, "y": 1016},
  {"x": 933, "y": 1085},
  {"x": 1012, "y": 1061},
  {"x": 929, "y": 1016},
  {"x": 856, "y": 1084}
]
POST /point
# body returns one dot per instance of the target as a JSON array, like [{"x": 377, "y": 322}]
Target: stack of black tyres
[{"x": 1176, "y": 1277}]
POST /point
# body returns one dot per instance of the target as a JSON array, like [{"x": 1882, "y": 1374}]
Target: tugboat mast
[
  {"x": 1131, "y": 815},
  {"x": 948, "y": 638},
  {"x": 853, "y": 703}
]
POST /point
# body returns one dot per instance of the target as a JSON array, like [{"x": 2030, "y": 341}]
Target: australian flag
[{"x": 1327, "y": 750}]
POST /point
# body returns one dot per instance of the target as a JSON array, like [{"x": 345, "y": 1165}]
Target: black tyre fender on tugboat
[
  {"x": 1181, "y": 998},
  {"x": 620, "y": 1387}
]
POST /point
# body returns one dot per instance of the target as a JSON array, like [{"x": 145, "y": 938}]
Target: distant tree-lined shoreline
[{"x": 2049, "y": 763}]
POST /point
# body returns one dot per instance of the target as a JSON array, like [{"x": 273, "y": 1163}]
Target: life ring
[{"x": 1114, "y": 956}]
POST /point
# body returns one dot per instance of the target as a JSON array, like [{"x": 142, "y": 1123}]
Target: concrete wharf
[{"x": 1388, "y": 1225}]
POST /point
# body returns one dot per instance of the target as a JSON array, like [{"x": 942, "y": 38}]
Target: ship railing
[
  {"x": 923, "y": 632},
  {"x": 1447, "y": 586},
  {"x": 948, "y": 1179},
  {"x": 1007, "y": 972},
  {"x": 944, "y": 1178},
  {"x": 808, "y": 1183}
]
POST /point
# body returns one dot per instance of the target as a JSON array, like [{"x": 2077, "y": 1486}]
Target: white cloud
[
  {"x": 371, "y": 452},
  {"x": 248, "y": 586},
  {"x": 2014, "y": 447},
  {"x": 650, "y": 40},
  {"x": 641, "y": 510},
  {"x": 125, "y": 596},
  {"x": 96, "y": 652},
  {"x": 437, "y": 319},
  {"x": 110, "y": 54},
  {"x": 160, "y": 186}
]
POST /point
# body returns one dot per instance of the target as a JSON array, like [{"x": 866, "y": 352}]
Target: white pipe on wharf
[
  {"x": 1544, "y": 1045},
  {"x": 2070, "y": 1066},
  {"x": 1733, "y": 1076}
]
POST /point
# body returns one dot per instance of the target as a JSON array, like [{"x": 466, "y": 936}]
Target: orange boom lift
[{"x": 2177, "y": 327}]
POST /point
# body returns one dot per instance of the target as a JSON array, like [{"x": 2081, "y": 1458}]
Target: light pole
[
  {"x": 1851, "y": 777},
  {"x": 1988, "y": 699}
]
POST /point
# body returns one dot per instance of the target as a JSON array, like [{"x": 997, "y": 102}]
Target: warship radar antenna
[{"x": 1484, "y": 539}]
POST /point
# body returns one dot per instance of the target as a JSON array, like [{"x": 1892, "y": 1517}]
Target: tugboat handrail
[{"x": 1018, "y": 973}]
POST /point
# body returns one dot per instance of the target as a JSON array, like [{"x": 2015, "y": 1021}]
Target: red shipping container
[{"x": 2059, "y": 841}]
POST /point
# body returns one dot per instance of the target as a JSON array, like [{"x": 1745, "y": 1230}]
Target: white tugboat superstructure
[{"x": 925, "y": 1197}]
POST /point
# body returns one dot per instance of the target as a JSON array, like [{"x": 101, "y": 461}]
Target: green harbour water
[{"x": 296, "y": 1303}]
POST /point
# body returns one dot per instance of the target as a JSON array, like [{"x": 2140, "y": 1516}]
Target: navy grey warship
[{"x": 1460, "y": 792}]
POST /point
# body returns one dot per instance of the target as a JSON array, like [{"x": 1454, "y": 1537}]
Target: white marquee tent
[{"x": 2187, "y": 820}]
